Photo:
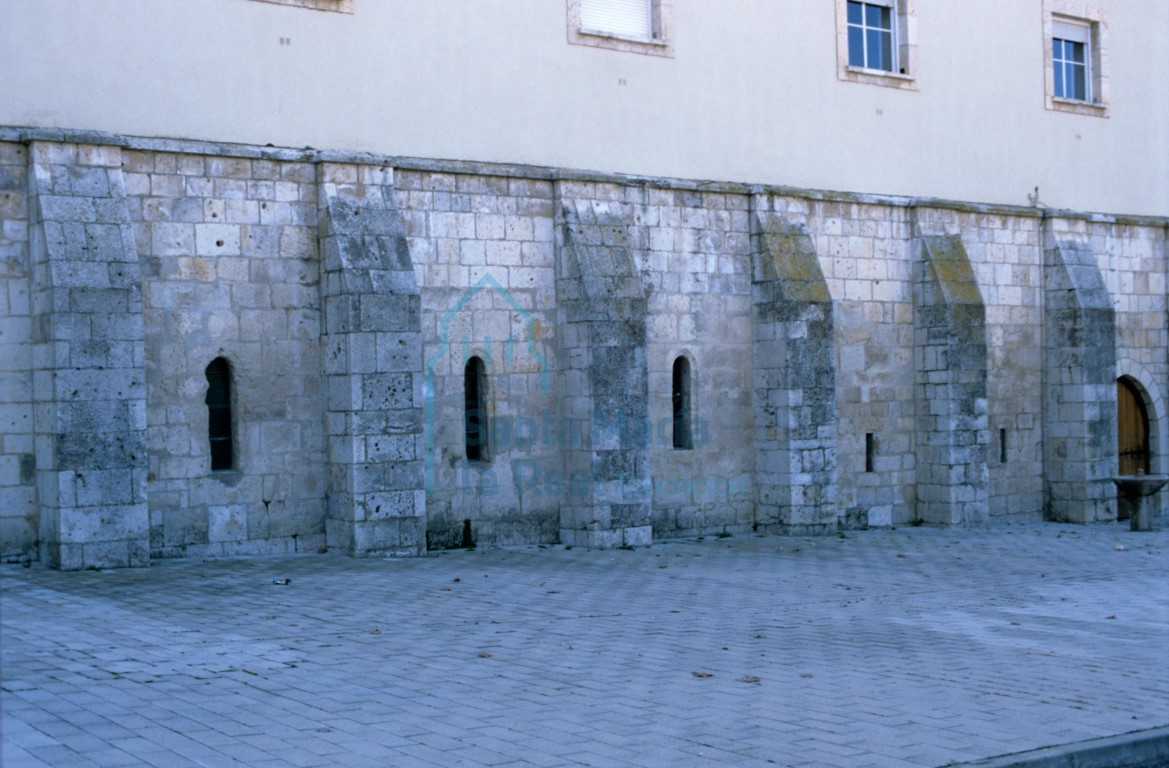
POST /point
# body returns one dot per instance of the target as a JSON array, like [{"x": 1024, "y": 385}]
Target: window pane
[
  {"x": 1079, "y": 90},
  {"x": 874, "y": 40},
  {"x": 856, "y": 47},
  {"x": 1074, "y": 51},
  {"x": 873, "y": 15},
  {"x": 1059, "y": 90},
  {"x": 854, "y": 13},
  {"x": 886, "y": 51}
]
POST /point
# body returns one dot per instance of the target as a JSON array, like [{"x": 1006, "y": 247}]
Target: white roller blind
[
  {"x": 1070, "y": 30},
  {"x": 628, "y": 18}
]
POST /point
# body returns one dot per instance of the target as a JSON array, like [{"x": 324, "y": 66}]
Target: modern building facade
[{"x": 387, "y": 277}]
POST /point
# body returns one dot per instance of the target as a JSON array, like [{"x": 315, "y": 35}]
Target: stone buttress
[
  {"x": 606, "y": 380},
  {"x": 950, "y": 357},
  {"x": 1079, "y": 411},
  {"x": 794, "y": 382},
  {"x": 373, "y": 367},
  {"x": 89, "y": 361}
]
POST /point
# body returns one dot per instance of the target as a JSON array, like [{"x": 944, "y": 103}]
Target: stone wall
[
  {"x": 19, "y": 517},
  {"x": 231, "y": 270},
  {"x": 853, "y": 361},
  {"x": 483, "y": 251}
]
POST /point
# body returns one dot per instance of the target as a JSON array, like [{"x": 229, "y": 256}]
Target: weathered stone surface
[
  {"x": 795, "y": 381},
  {"x": 608, "y": 309},
  {"x": 951, "y": 363},
  {"x": 91, "y": 469},
  {"x": 1080, "y": 411},
  {"x": 370, "y": 291},
  {"x": 940, "y": 343}
]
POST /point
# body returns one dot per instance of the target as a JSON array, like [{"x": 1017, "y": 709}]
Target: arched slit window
[
  {"x": 680, "y": 397},
  {"x": 219, "y": 414},
  {"x": 475, "y": 410}
]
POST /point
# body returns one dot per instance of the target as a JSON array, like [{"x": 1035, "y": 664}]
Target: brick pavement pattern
[{"x": 878, "y": 648}]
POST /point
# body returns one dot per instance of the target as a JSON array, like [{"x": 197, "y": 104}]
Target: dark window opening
[
  {"x": 474, "y": 410},
  {"x": 681, "y": 404},
  {"x": 219, "y": 415},
  {"x": 1002, "y": 446},
  {"x": 870, "y": 451}
]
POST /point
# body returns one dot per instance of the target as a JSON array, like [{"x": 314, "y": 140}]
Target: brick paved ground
[{"x": 907, "y": 647}]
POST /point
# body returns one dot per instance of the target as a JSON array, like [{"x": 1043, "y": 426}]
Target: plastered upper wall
[{"x": 751, "y": 93}]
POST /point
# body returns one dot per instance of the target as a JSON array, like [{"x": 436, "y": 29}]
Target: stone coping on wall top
[{"x": 24, "y": 135}]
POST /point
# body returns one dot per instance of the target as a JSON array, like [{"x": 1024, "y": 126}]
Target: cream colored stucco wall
[{"x": 751, "y": 94}]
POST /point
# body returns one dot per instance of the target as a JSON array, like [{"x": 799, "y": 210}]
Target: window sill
[
  {"x": 625, "y": 38},
  {"x": 1077, "y": 107},
  {"x": 598, "y": 39},
  {"x": 229, "y": 477},
  {"x": 338, "y": 6},
  {"x": 852, "y": 74}
]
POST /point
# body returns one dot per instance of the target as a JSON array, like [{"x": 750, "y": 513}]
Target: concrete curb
[{"x": 1139, "y": 749}]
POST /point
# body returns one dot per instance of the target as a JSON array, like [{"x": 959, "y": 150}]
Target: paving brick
[{"x": 970, "y": 645}]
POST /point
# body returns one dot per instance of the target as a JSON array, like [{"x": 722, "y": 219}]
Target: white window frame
[
  {"x": 904, "y": 73},
  {"x": 659, "y": 43},
  {"x": 1079, "y": 23}
]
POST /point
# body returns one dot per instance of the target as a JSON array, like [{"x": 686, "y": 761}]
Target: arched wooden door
[{"x": 1132, "y": 429}]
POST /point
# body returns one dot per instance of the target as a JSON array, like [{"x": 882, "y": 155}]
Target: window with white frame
[
  {"x": 634, "y": 26},
  {"x": 1070, "y": 44},
  {"x": 876, "y": 42},
  {"x": 870, "y": 36},
  {"x": 1075, "y": 55}
]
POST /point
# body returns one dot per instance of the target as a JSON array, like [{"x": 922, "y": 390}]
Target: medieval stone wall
[
  {"x": 231, "y": 270},
  {"x": 850, "y": 361},
  {"x": 19, "y": 517}
]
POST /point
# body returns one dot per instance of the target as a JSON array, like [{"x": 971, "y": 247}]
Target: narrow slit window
[
  {"x": 680, "y": 397},
  {"x": 219, "y": 421},
  {"x": 870, "y": 451},
  {"x": 474, "y": 409},
  {"x": 1002, "y": 446}
]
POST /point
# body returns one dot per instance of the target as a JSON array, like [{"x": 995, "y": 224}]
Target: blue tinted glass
[
  {"x": 877, "y": 16},
  {"x": 886, "y": 51},
  {"x": 854, "y": 13},
  {"x": 1059, "y": 79},
  {"x": 1057, "y": 48},
  {"x": 1079, "y": 86},
  {"x": 1074, "y": 51},
  {"x": 873, "y": 41},
  {"x": 856, "y": 47}
]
